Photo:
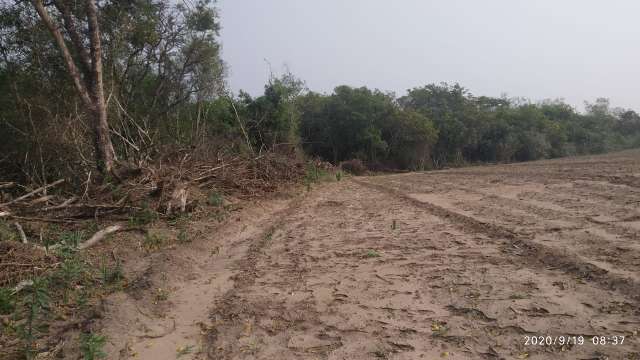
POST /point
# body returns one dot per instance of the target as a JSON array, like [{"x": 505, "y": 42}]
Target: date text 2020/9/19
[{"x": 548, "y": 340}]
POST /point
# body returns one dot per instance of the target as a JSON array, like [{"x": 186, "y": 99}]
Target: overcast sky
[{"x": 573, "y": 49}]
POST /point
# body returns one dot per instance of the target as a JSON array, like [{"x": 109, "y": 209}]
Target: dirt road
[{"x": 458, "y": 264}]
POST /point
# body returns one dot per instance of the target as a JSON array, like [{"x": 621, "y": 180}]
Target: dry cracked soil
[{"x": 473, "y": 263}]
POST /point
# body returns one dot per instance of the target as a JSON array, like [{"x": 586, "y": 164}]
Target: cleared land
[{"x": 456, "y": 264}]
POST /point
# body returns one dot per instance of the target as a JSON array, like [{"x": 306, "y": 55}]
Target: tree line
[
  {"x": 92, "y": 84},
  {"x": 442, "y": 125}
]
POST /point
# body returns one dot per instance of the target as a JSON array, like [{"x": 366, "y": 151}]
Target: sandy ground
[{"x": 459, "y": 264}]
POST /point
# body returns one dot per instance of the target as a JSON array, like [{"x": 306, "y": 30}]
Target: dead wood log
[
  {"x": 34, "y": 192},
  {"x": 4, "y": 214}
]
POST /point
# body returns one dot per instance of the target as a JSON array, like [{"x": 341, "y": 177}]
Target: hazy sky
[{"x": 572, "y": 49}]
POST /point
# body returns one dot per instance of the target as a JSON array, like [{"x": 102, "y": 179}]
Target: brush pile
[{"x": 165, "y": 188}]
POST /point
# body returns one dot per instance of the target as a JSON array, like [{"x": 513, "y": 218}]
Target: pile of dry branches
[
  {"x": 166, "y": 187},
  {"x": 253, "y": 177}
]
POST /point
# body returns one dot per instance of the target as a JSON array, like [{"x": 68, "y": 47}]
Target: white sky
[{"x": 573, "y": 49}]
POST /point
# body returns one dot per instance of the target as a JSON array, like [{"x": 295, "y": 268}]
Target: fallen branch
[
  {"x": 65, "y": 204},
  {"x": 28, "y": 195},
  {"x": 4, "y": 214},
  {"x": 42, "y": 199},
  {"x": 23, "y": 236},
  {"x": 97, "y": 237},
  {"x": 25, "y": 218},
  {"x": 89, "y": 206}
]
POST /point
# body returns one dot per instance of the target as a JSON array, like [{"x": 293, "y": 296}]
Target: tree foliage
[{"x": 364, "y": 124}]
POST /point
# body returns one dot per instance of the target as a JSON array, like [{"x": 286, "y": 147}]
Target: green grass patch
[{"x": 372, "y": 254}]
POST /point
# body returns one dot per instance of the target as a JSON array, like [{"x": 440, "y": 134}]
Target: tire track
[{"x": 231, "y": 305}]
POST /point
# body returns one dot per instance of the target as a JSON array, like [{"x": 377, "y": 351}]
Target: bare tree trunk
[
  {"x": 105, "y": 155},
  {"x": 90, "y": 86}
]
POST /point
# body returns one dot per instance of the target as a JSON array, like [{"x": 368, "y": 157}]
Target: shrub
[{"x": 354, "y": 166}]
